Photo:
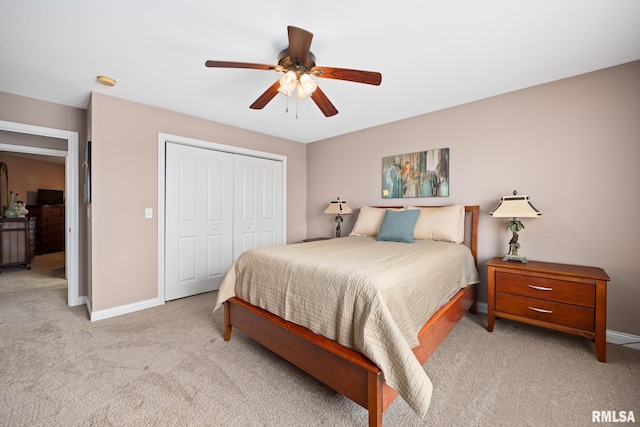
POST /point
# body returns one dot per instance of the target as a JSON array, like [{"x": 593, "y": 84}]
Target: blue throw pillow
[{"x": 397, "y": 226}]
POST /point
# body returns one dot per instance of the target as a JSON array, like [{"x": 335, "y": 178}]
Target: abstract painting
[{"x": 422, "y": 174}]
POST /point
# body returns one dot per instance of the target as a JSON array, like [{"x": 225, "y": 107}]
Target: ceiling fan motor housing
[{"x": 285, "y": 61}]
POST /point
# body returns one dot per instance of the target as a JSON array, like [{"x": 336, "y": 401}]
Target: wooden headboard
[
  {"x": 470, "y": 226},
  {"x": 471, "y": 229}
]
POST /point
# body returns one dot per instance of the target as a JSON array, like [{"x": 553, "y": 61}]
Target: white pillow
[
  {"x": 369, "y": 221},
  {"x": 444, "y": 223}
]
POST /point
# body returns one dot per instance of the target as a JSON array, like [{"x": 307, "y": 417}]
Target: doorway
[{"x": 71, "y": 192}]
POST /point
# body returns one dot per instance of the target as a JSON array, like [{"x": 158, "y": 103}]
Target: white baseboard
[
  {"x": 482, "y": 307},
  {"x": 623, "y": 339},
  {"x": 123, "y": 309},
  {"x": 613, "y": 337}
]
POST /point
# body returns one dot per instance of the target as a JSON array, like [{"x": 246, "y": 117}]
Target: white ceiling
[{"x": 432, "y": 54}]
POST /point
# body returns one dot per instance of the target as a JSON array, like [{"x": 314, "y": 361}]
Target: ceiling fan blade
[
  {"x": 267, "y": 96},
  {"x": 358, "y": 76},
  {"x": 299, "y": 44},
  {"x": 231, "y": 64},
  {"x": 323, "y": 103}
]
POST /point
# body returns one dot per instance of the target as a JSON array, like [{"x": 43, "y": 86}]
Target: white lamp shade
[
  {"x": 288, "y": 82},
  {"x": 515, "y": 206},
  {"x": 307, "y": 85},
  {"x": 338, "y": 207},
  {"x": 300, "y": 92},
  {"x": 285, "y": 92}
]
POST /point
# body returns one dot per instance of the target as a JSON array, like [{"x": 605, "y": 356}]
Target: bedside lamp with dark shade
[
  {"x": 513, "y": 207},
  {"x": 338, "y": 208}
]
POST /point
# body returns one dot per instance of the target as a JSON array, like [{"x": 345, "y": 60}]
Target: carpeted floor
[{"x": 170, "y": 366}]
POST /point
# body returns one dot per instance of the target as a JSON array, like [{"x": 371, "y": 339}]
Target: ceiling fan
[{"x": 298, "y": 65}]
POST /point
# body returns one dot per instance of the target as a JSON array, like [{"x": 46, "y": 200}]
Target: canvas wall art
[{"x": 422, "y": 174}]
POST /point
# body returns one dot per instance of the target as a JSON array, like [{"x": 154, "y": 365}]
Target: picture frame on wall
[{"x": 420, "y": 174}]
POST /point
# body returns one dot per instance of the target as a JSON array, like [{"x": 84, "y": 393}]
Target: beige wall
[
  {"x": 125, "y": 181},
  {"x": 19, "y": 109},
  {"x": 27, "y": 175},
  {"x": 572, "y": 145}
]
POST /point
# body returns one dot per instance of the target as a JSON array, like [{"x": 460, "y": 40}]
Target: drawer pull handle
[
  {"x": 541, "y": 310},
  {"x": 540, "y": 288}
]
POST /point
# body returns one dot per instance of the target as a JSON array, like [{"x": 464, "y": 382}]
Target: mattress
[{"x": 367, "y": 295}]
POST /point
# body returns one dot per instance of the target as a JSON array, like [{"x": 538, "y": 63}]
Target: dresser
[
  {"x": 17, "y": 242},
  {"x": 567, "y": 298},
  {"x": 50, "y": 235}
]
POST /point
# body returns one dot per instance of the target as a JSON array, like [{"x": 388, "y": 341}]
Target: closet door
[
  {"x": 257, "y": 203},
  {"x": 199, "y": 219}
]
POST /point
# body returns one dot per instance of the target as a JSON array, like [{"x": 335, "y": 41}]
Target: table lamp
[
  {"x": 513, "y": 207},
  {"x": 338, "y": 208}
]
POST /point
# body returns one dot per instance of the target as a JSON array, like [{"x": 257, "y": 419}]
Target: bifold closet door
[
  {"x": 199, "y": 219},
  {"x": 257, "y": 203}
]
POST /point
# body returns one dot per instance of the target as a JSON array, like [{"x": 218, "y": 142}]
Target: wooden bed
[{"x": 343, "y": 369}]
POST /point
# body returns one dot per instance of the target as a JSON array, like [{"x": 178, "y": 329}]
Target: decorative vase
[
  {"x": 22, "y": 211},
  {"x": 11, "y": 211},
  {"x": 19, "y": 206}
]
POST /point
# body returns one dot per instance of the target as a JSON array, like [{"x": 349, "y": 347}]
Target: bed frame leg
[
  {"x": 375, "y": 400},
  {"x": 227, "y": 321},
  {"x": 474, "y": 305}
]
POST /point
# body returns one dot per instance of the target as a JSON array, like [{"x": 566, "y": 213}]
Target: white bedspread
[{"x": 370, "y": 296}]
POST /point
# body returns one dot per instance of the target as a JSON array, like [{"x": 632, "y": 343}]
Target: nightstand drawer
[
  {"x": 576, "y": 293},
  {"x": 571, "y": 316}
]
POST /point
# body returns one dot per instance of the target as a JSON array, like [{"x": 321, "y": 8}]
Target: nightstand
[
  {"x": 567, "y": 298},
  {"x": 313, "y": 239}
]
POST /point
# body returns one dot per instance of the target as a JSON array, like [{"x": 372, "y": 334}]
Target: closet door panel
[
  {"x": 199, "y": 219},
  {"x": 187, "y": 258},
  {"x": 246, "y": 172},
  {"x": 215, "y": 262},
  {"x": 269, "y": 195},
  {"x": 268, "y": 239},
  {"x": 257, "y": 201}
]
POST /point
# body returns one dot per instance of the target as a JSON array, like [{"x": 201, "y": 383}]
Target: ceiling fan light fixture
[
  {"x": 307, "y": 85},
  {"x": 285, "y": 92},
  {"x": 300, "y": 92},
  {"x": 288, "y": 82}
]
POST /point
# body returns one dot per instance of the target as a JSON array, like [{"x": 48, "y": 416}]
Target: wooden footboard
[{"x": 344, "y": 370}]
